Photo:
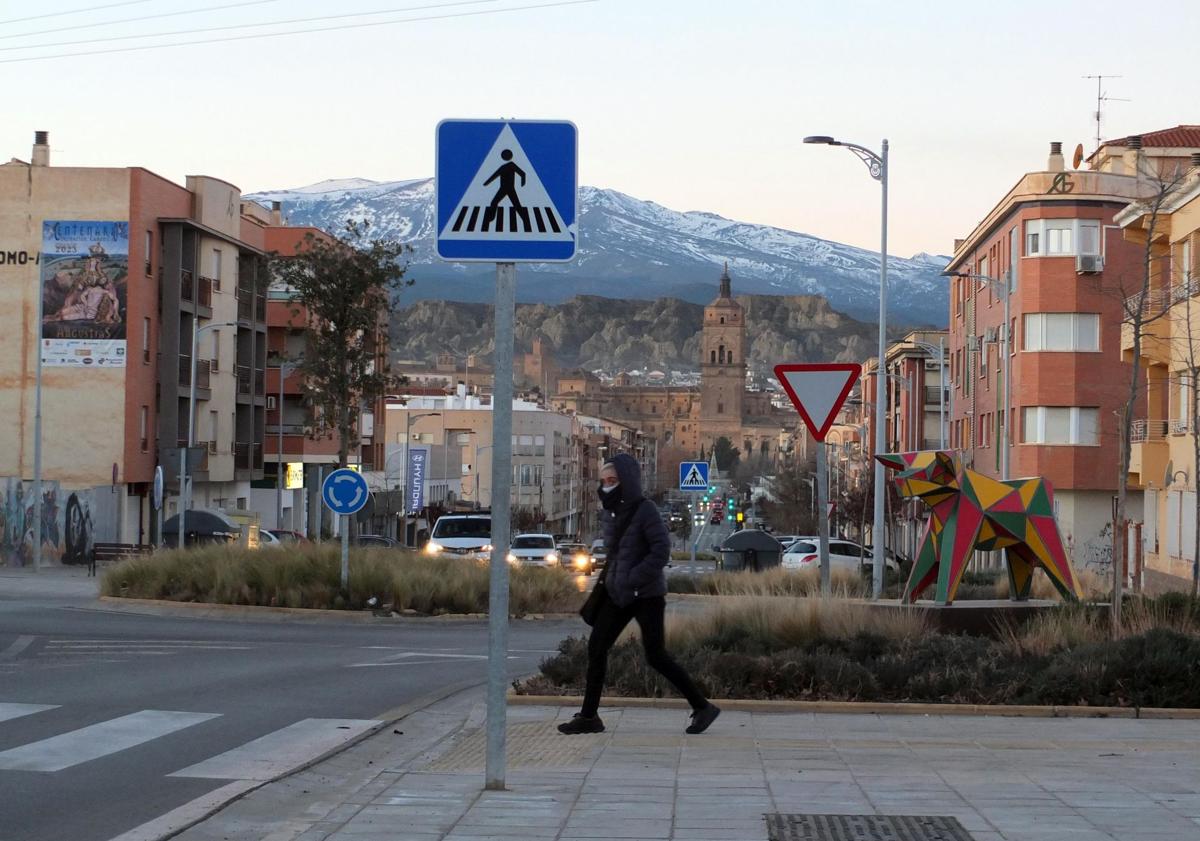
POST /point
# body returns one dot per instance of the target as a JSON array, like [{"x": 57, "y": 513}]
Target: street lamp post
[
  {"x": 185, "y": 484},
  {"x": 877, "y": 165},
  {"x": 1004, "y": 284},
  {"x": 409, "y": 417}
]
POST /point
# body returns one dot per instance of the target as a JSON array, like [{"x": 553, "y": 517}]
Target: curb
[
  {"x": 160, "y": 607},
  {"x": 871, "y": 707}
]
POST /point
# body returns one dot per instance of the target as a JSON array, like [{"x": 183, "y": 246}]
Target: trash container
[{"x": 750, "y": 549}]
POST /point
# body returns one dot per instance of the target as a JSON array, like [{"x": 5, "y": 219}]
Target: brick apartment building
[
  {"x": 125, "y": 265},
  {"x": 1053, "y": 242}
]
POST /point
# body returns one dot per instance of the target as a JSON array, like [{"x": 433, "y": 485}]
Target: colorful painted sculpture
[{"x": 970, "y": 511}]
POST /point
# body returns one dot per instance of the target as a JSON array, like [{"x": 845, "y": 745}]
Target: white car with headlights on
[
  {"x": 461, "y": 536},
  {"x": 533, "y": 550}
]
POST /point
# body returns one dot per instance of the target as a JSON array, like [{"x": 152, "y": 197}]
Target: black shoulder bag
[{"x": 595, "y": 600}]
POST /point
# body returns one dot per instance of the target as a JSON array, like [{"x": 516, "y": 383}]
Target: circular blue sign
[{"x": 344, "y": 491}]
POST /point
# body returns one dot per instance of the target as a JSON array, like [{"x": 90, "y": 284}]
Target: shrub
[
  {"x": 769, "y": 647},
  {"x": 310, "y": 577}
]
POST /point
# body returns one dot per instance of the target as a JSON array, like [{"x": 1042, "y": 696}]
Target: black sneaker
[
  {"x": 702, "y": 718},
  {"x": 581, "y": 723}
]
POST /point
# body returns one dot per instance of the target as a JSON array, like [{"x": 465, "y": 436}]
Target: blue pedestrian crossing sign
[
  {"x": 507, "y": 191},
  {"x": 345, "y": 491},
  {"x": 693, "y": 475}
]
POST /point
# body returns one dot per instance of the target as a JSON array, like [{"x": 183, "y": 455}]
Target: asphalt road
[{"x": 98, "y": 709}]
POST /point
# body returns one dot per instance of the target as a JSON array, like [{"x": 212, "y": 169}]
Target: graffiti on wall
[{"x": 72, "y": 521}]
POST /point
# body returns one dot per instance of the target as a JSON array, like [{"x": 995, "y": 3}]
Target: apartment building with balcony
[
  {"x": 1051, "y": 243},
  {"x": 123, "y": 265},
  {"x": 1162, "y": 454},
  {"x": 296, "y": 454}
]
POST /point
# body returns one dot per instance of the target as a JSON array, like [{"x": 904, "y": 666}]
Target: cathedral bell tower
[{"x": 723, "y": 364}]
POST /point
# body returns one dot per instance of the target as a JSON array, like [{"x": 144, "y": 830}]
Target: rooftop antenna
[{"x": 1101, "y": 98}]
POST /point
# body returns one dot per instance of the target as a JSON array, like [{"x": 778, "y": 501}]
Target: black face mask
[{"x": 610, "y": 501}]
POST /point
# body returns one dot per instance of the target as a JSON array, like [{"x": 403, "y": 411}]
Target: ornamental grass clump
[{"x": 309, "y": 576}]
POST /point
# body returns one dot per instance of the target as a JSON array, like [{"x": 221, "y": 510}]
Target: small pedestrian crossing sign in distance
[
  {"x": 693, "y": 476},
  {"x": 507, "y": 191}
]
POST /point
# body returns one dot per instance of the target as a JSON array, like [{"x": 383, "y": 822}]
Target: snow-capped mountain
[{"x": 632, "y": 248}]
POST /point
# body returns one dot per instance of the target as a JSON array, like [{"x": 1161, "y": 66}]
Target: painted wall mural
[{"x": 72, "y": 521}]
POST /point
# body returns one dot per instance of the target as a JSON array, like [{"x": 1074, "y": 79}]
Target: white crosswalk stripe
[
  {"x": 10, "y": 711},
  {"x": 276, "y": 753},
  {"x": 97, "y": 740}
]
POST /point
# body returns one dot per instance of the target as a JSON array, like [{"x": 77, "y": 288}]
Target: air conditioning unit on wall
[{"x": 1089, "y": 264}]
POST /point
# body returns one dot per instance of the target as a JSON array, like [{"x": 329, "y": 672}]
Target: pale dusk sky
[{"x": 695, "y": 105}]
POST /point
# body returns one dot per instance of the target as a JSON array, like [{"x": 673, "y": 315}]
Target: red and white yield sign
[{"x": 817, "y": 390}]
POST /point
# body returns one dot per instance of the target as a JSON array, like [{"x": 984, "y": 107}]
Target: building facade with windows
[
  {"x": 124, "y": 265},
  {"x": 1162, "y": 453},
  {"x": 1052, "y": 244}
]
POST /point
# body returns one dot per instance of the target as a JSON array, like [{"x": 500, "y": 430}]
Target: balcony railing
[
  {"x": 245, "y": 304},
  {"x": 935, "y": 395},
  {"x": 260, "y": 308},
  {"x": 1180, "y": 426},
  {"x": 288, "y": 429},
  {"x": 1159, "y": 300},
  {"x": 186, "y": 286},
  {"x": 185, "y": 372},
  {"x": 259, "y": 381},
  {"x": 1148, "y": 430},
  {"x": 204, "y": 292},
  {"x": 244, "y": 379},
  {"x": 247, "y": 456}
]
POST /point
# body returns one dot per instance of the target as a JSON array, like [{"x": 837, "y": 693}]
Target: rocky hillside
[{"x": 592, "y": 332}]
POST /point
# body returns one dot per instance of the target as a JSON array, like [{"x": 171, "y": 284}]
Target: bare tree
[
  {"x": 1142, "y": 305},
  {"x": 791, "y": 511}
]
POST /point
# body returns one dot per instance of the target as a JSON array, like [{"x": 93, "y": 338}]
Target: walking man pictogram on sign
[{"x": 507, "y": 173}]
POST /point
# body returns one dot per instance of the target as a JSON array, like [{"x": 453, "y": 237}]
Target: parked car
[
  {"x": 576, "y": 556},
  {"x": 599, "y": 553},
  {"x": 843, "y": 554},
  {"x": 533, "y": 550},
  {"x": 266, "y": 540},
  {"x": 285, "y": 536},
  {"x": 374, "y": 541},
  {"x": 466, "y": 535}
]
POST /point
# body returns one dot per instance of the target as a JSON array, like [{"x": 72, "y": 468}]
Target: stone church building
[{"x": 687, "y": 419}]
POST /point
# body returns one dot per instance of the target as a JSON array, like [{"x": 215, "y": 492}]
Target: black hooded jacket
[{"x": 638, "y": 544}]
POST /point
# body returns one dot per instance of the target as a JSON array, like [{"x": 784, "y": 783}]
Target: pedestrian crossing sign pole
[{"x": 505, "y": 191}]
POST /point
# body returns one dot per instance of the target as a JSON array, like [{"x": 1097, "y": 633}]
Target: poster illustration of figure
[{"x": 85, "y": 266}]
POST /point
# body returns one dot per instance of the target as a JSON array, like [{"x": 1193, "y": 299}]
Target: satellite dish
[
  {"x": 1169, "y": 473},
  {"x": 1078, "y": 158}
]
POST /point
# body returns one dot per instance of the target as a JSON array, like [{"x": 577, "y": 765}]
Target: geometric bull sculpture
[{"x": 970, "y": 511}]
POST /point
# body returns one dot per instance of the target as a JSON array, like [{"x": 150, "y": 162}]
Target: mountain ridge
[{"x": 637, "y": 248}]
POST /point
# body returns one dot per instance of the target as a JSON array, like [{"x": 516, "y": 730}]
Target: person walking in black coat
[{"x": 638, "y": 550}]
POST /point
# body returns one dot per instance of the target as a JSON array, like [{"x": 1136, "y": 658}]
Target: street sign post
[
  {"x": 345, "y": 492},
  {"x": 818, "y": 390},
  {"x": 505, "y": 191}
]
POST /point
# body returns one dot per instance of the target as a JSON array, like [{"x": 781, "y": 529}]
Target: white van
[{"x": 461, "y": 535}]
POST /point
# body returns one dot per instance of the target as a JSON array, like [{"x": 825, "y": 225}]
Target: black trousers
[{"x": 610, "y": 623}]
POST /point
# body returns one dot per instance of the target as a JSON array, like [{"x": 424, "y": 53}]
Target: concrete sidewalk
[{"x": 1018, "y": 779}]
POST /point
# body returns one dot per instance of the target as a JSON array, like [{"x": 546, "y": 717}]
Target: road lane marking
[
  {"x": 19, "y": 645},
  {"x": 10, "y": 711},
  {"x": 97, "y": 740},
  {"x": 277, "y": 753}
]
